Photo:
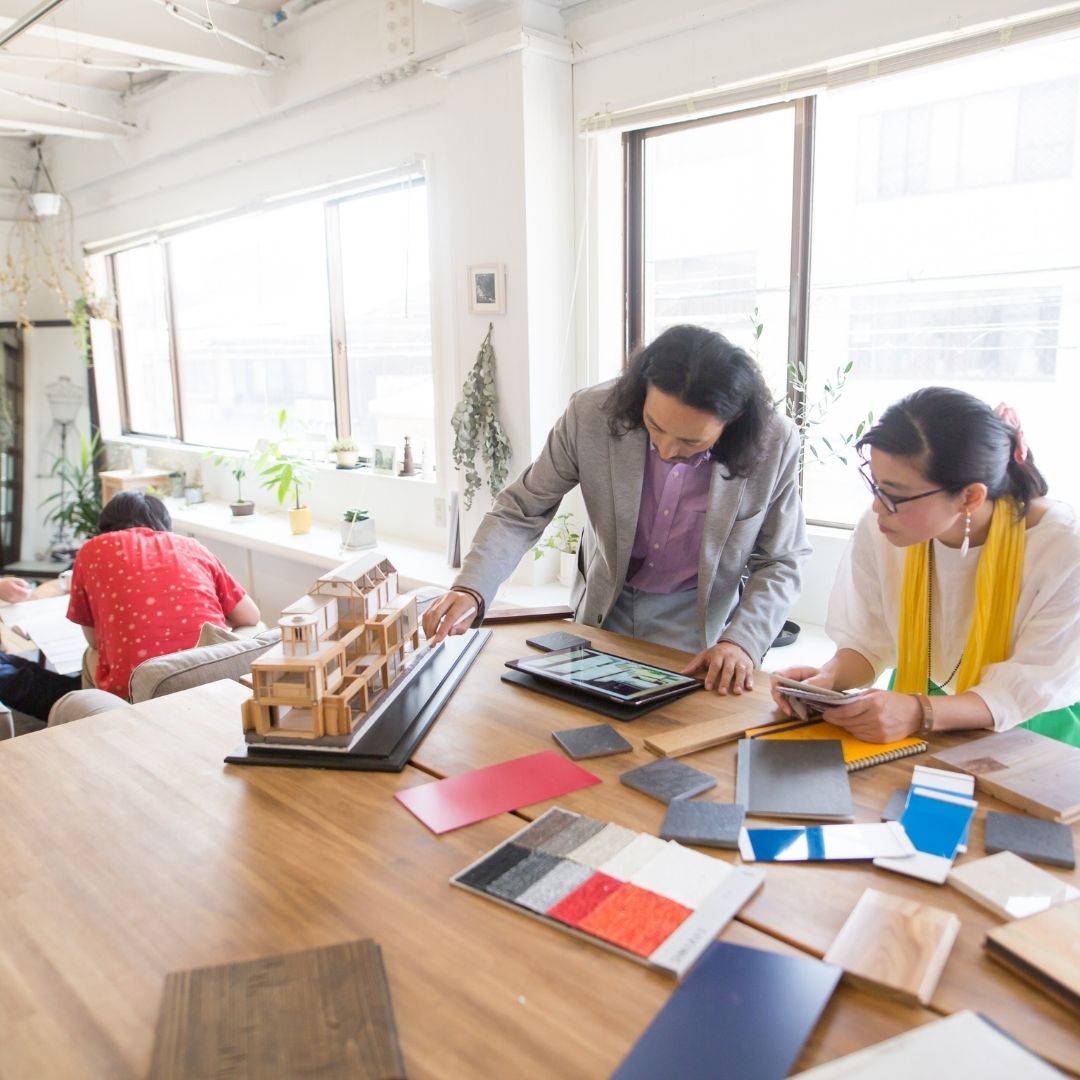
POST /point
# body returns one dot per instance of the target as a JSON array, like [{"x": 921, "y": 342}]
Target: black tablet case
[
  {"x": 562, "y": 692},
  {"x": 388, "y": 746}
]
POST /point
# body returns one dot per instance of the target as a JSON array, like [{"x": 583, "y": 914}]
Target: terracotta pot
[{"x": 300, "y": 520}]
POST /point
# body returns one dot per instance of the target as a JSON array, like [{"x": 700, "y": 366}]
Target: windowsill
[{"x": 268, "y": 532}]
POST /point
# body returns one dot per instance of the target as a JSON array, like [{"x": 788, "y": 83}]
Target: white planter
[
  {"x": 347, "y": 458},
  {"x": 358, "y": 534},
  {"x": 567, "y": 567}
]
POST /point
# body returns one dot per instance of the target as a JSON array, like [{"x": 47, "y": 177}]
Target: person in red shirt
[{"x": 140, "y": 591}]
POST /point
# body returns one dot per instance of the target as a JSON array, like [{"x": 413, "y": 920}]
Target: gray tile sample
[
  {"x": 562, "y": 843},
  {"x": 544, "y": 828},
  {"x": 551, "y": 888},
  {"x": 803, "y": 779},
  {"x": 894, "y": 808},
  {"x": 705, "y": 824},
  {"x": 1034, "y": 839},
  {"x": 522, "y": 876},
  {"x": 596, "y": 740},
  {"x": 667, "y": 780},
  {"x": 495, "y": 865}
]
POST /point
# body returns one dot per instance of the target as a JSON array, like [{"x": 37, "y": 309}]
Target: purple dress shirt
[{"x": 671, "y": 522}]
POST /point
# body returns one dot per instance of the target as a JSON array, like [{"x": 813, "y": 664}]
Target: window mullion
[
  {"x": 633, "y": 240},
  {"x": 174, "y": 351},
  {"x": 336, "y": 294},
  {"x": 121, "y": 355},
  {"x": 799, "y": 294}
]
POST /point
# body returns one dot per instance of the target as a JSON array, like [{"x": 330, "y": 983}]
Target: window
[
  {"x": 943, "y": 240},
  {"x": 237, "y": 317}
]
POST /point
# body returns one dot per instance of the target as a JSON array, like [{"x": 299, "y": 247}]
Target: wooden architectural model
[{"x": 343, "y": 646}]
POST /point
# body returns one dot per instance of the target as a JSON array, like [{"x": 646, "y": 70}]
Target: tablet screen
[{"x": 614, "y": 677}]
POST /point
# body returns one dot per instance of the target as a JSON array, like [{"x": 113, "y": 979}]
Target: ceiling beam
[{"x": 147, "y": 31}]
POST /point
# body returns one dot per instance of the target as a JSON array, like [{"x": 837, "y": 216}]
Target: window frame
[{"x": 331, "y": 200}]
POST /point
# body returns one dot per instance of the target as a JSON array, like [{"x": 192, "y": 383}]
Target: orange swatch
[
  {"x": 573, "y": 907},
  {"x": 635, "y": 919}
]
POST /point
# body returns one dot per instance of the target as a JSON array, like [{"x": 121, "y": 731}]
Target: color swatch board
[
  {"x": 963, "y": 1046},
  {"x": 652, "y": 900},
  {"x": 741, "y": 1012},
  {"x": 320, "y": 1012},
  {"x": 1024, "y": 769}
]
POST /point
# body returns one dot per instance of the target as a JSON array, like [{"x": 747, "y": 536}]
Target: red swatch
[
  {"x": 635, "y": 919},
  {"x": 483, "y": 793},
  {"x": 573, "y": 907}
]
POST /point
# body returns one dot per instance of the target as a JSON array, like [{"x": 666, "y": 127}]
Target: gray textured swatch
[
  {"x": 577, "y": 832},
  {"x": 527, "y": 872},
  {"x": 601, "y": 846},
  {"x": 596, "y": 740},
  {"x": 551, "y": 888},
  {"x": 543, "y": 828},
  {"x": 894, "y": 808},
  {"x": 1040, "y": 841},
  {"x": 705, "y": 824},
  {"x": 666, "y": 780}
]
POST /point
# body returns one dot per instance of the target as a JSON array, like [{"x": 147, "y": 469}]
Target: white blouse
[{"x": 1043, "y": 668}]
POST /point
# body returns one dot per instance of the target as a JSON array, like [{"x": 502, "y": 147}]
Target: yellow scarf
[{"x": 997, "y": 590}]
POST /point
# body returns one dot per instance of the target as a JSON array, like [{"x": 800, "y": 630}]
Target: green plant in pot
[
  {"x": 564, "y": 536},
  {"x": 347, "y": 452},
  {"x": 76, "y": 507},
  {"x": 357, "y": 529},
  {"x": 238, "y": 465},
  {"x": 282, "y": 470}
]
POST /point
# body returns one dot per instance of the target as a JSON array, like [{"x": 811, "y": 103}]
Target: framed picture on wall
[
  {"x": 487, "y": 289},
  {"x": 384, "y": 458}
]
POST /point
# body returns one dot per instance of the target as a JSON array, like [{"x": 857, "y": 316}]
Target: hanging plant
[{"x": 477, "y": 431}]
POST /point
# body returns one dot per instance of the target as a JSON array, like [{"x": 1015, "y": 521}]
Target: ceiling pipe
[{"x": 28, "y": 20}]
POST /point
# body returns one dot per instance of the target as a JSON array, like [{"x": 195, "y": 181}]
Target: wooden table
[{"x": 137, "y": 852}]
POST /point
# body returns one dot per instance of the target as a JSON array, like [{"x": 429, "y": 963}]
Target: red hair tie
[{"x": 1008, "y": 414}]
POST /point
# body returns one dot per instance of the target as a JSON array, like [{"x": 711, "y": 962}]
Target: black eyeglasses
[{"x": 892, "y": 503}]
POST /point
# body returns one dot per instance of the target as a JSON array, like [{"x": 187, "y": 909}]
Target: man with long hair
[{"x": 690, "y": 482}]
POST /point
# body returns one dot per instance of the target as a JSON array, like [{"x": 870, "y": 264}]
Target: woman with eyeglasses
[{"x": 962, "y": 575}]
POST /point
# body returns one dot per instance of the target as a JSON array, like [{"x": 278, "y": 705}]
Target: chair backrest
[{"x": 173, "y": 672}]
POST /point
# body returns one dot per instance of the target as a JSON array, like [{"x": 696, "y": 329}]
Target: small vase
[
  {"x": 347, "y": 459},
  {"x": 300, "y": 520},
  {"x": 567, "y": 567},
  {"x": 358, "y": 534}
]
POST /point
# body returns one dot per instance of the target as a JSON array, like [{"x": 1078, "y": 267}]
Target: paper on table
[
  {"x": 472, "y": 796},
  {"x": 45, "y": 624}
]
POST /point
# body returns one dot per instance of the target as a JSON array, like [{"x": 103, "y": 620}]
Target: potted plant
[
  {"x": 347, "y": 452},
  {"x": 357, "y": 529},
  {"x": 283, "y": 470},
  {"x": 76, "y": 507},
  {"x": 564, "y": 537},
  {"x": 193, "y": 490},
  {"x": 237, "y": 466}
]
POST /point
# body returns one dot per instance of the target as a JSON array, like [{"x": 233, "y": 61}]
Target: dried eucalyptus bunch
[{"x": 477, "y": 431}]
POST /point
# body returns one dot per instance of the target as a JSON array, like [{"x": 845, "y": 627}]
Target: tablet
[
  {"x": 614, "y": 678},
  {"x": 821, "y": 696}
]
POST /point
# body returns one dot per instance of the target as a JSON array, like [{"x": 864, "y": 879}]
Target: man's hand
[
  {"x": 882, "y": 716},
  {"x": 728, "y": 668},
  {"x": 450, "y": 614},
  {"x": 14, "y": 590}
]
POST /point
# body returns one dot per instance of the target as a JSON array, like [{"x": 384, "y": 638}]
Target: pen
[{"x": 467, "y": 614}]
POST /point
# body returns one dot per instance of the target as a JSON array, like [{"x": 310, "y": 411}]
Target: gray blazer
[{"x": 752, "y": 524}]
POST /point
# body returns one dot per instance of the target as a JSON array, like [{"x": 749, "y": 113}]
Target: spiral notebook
[{"x": 857, "y": 754}]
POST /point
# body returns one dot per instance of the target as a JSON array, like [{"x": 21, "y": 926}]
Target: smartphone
[
  {"x": 817, "y": 695},
  {"x": 559, "y": 639}
]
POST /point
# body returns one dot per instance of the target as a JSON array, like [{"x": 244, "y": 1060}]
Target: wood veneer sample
[
  {"x": 1024, "y": 769},
  {"x": 1044, "y": 950},
  {"x": 1010, "y": 886},
  {"x": 320, "y": 1012},
  {"x": 895, "y": 945},
  {"x": 690, "y": 739}
]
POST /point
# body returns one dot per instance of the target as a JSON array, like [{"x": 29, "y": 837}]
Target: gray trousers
[{"x": 664, "y": 618}]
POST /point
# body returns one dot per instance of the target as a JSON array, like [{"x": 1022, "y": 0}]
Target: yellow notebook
[{"x": 857, "y": 754}]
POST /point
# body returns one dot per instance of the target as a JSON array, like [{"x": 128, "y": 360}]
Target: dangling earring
[{"x": 967, "y": 535}]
